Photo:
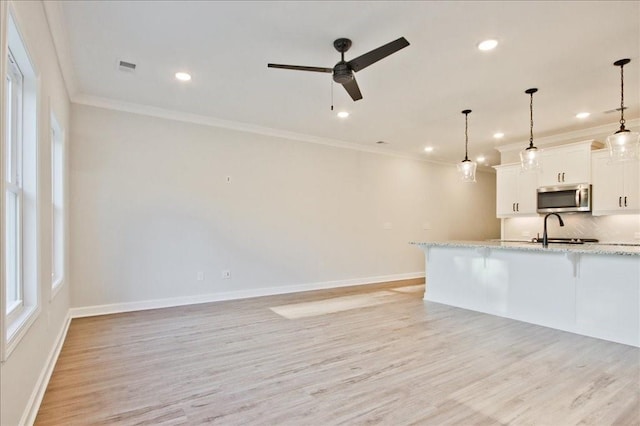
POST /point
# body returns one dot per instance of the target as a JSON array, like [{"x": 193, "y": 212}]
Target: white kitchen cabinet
[
  {"x": 616, "y": 185},
  {"x": 515, "y": 191},
  {"x": 567, "y": 164}
]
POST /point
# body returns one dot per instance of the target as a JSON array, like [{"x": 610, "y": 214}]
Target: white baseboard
[
  {"x": 33, "y": 405},
  {"x": 88, "y": 311}
]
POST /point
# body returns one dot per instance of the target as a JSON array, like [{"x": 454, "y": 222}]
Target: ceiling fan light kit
[
  {"x": 343, "y": 71},
  {"x": 466, "y": 167},
  {"x": 624, "y": 144},
  {"x": 530, "y": 156}
]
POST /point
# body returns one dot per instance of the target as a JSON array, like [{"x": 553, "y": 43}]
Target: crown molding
[
  {"x": 597, "y": 133},
  {"x": 112, "y": 104},
  {"x": 58, "y": 30}
]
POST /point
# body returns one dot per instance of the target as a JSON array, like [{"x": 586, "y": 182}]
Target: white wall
[
  {"x": 151, "y": 208},
  {"x": 22, "y": 373}
]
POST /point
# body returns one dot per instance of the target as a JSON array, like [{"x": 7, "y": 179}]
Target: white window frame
[
  {"x": 58, "y": 206},
  {"x": 3, "y": 64},
  {"x": 16, "y": 325},
  {"x": 13, "y": 178}
]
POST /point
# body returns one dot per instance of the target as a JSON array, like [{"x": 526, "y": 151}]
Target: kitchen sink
[{"x": 565, "y": 240}]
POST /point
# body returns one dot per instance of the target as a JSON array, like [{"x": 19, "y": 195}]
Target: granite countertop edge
[{"x": 612, "y": 249}]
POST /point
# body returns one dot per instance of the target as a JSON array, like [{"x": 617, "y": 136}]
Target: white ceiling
[{"x": 412, "y": 98}]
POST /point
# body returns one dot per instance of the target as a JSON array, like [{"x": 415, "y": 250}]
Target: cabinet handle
[
  {"x": 513, "y": 207},
  {"x": 619, "y": 201},
  {"x": 625, "y": 201},
  {"x": 558, "y": 177},
  {"x": 518, "y": 206},
  {"x": 563, "y": 176}
]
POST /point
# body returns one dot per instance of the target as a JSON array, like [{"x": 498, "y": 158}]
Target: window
[
  {"x": 13, "y": 190},
  {"x": 20, "y": 225},
  {"x": 57, "y": 204}
]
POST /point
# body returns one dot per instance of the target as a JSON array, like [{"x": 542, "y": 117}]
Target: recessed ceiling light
[
  {"x": 498, "y": 135},
  {"x": 183, "y": 76},
  {"x": 480, "y": 159},
  {"x": 488, "y": 45},
  {"x": 343, "y": 114},
  {"x": 428, "y": 149},
  {"x": 583, "y": 115}
]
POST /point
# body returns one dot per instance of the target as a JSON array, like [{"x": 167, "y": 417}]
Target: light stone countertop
[{"x": 587, "y": 248}]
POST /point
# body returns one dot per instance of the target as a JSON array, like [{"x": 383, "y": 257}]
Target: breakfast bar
[{"x": 588, "y": 289}]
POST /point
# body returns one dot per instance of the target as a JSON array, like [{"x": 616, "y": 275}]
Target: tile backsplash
[{"x": 607, "y": 229}]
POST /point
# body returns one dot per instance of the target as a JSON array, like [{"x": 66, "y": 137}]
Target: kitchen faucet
[{"x": 545, "y": 239}]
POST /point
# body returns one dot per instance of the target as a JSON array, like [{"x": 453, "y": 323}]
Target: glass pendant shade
[
  {"x": 467, "y": 168},
  {"x": 624, "y": 144},
  {"x": 530, "y": 156}
]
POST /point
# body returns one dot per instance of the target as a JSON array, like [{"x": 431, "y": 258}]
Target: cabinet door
[
  {"x": 566, "y": 165},
  {"x": 506, "y": 191},
  {"x": 527, "y": 193},
  {"x": 551, "y": 169},
  {"x": 607, "y": 187},
  {"x": 631, "y": 187}
]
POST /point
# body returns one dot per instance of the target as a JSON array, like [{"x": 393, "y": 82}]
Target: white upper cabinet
[
  {"x": 616, "y": 186},
  {"x": 567, "y": 164},
  {"x": 515, "y": 191}
]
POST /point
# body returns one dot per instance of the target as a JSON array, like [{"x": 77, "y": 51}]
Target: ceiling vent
[{"x": 126, "y": 66}]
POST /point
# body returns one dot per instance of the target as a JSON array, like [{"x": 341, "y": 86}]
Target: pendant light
[
  {"x": 530, "y": 156},
  {"x": 467, "y": 168},
  {"x": 623, "y": 144}
]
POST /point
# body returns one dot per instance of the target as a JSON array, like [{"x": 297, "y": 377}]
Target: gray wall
[{"x": 151, "y": 208}]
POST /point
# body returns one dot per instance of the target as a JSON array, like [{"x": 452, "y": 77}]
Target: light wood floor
[{"x": 394, "y": 360}]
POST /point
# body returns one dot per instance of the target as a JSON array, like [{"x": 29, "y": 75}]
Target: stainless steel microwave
[{"x": 566, "y": 198}]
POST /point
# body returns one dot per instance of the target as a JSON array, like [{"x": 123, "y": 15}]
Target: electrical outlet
[
  {"x": 226, "y": 274},
  {"x": 200, "y": 276},
  {"x": 636, "y": 235},
  {"x": 426, "y": 226},
  {"x": 387, "y": 225},
  {"x": 526, "y": 233}
]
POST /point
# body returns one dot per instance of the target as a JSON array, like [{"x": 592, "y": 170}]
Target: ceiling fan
[{"x": 343, "y": 71}]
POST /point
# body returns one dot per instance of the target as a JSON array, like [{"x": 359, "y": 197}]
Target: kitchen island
[{"x": 588, "y": 289}]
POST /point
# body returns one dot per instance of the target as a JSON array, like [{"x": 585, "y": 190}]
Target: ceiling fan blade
[
  {"x": 352, "y": 88},
  {"x": 300, "y": 68},
  {"x": 375, "y": 55}
]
